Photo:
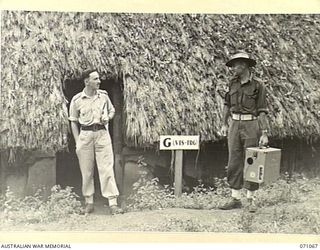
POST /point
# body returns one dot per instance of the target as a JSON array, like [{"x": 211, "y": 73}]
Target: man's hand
[
  {"x": 75, "y": 131},
  {"x": 224, "y": 130},
  {"x": 76, "y": 139},
  {"x": 264, "y": 141},
  {"x": 105, "y": 119}
]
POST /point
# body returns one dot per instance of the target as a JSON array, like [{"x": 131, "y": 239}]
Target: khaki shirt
[
  {"x": 246, "y": 98},
  {"x": 88, "y": 110}
]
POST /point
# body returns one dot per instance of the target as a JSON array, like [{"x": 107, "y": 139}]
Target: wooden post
[
  {"x": 117, "y": 133},
  {"x": 178, "y": 164},
  {"x": 3, "y": 170}
]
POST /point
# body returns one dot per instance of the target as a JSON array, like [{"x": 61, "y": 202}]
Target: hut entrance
[{"x": 68, "y": 171}]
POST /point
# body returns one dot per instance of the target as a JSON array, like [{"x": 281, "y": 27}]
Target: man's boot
[
  {"x": 89, "y": 208},
  {"x": 231, "y": 204},
  {"x": 116, "y": 210}
]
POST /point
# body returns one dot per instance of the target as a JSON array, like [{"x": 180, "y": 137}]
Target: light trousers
[{"x": 96, "y": 146}]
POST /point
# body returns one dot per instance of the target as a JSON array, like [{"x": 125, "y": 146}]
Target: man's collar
[
  {"x": 236, "y": 80},
  {"x": 249, "y": 80},
  {"x": 84, "y": 95}
]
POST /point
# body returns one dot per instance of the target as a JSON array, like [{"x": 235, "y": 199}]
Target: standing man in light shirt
[{"x": 93, "y": 110}]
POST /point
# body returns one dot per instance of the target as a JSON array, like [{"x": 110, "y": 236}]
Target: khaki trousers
[{"x": 91, "y": 146}]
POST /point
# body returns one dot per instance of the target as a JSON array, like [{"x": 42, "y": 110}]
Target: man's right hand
[
  {"x": 76, "y": 140},
  {"x": 75, "y": 131},
  {"x": 224, "y": 130}
]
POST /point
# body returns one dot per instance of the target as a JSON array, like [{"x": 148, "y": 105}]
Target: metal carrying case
[{"x": 262, "y": 165}]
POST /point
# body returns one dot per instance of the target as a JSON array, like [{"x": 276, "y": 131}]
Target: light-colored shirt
[{"x": 88, "y": 110}]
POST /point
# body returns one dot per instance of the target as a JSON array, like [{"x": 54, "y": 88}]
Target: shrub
[
  {"x": 286, "y": 190},
  {"x": 201, "y": 198},
  {"x": 34, "y": 209},
  {"x": 62, "y": 203},
  {"x": 148, "y": 194}
]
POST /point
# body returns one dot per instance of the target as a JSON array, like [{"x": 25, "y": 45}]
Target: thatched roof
[{"x": 172, "y": 68}]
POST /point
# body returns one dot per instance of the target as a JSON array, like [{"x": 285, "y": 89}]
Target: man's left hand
[
  {"x": 105, "y": 120},
  {"x": 264, "y": 141}
]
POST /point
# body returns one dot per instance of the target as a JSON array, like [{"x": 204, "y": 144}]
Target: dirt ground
[{"x": 179, "y": 219}]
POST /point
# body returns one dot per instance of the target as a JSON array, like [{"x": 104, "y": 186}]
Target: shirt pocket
[
  {"x": 249, "y": 98},
  {"x": 233, "y": 97},
  {"x": 86, "y": 116}
]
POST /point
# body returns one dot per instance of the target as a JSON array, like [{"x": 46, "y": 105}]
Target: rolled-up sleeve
[
  {"x": 73, "y": 111},
  {"x": 111, "y": 109},
  {"x": 262, "y": 100}
]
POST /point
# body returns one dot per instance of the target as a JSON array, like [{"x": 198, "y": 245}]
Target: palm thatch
[{"x": 172, "y": 68}]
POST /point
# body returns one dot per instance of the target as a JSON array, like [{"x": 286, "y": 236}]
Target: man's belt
[
  {"x": 93, "y": 127},
  {"x": 243, "y": 117}
]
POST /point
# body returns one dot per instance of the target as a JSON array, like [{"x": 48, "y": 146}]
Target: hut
[{"x": 165, "y": 74}]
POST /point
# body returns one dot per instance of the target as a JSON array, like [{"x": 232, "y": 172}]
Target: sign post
[
  {"x": 178, "y": 165},
  {"x": 178, "y": 143}
]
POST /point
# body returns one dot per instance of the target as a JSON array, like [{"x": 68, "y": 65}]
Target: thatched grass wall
[{"x": 172, "y": 68}]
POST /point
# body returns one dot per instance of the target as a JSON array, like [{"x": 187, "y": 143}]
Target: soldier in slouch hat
[{"x": 245, "y": 104}]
